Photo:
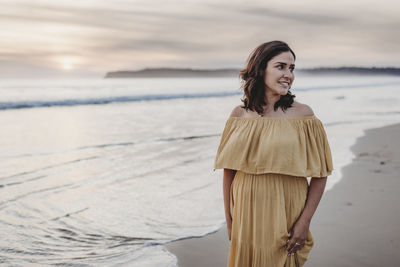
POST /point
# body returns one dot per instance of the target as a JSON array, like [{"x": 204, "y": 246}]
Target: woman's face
[{"x": 279, "y": 74}]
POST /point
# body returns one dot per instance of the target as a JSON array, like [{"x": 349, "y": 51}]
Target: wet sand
[{"x": 356, "y": 223}]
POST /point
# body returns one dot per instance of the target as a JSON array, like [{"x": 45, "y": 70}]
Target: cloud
[
  {"x": 135, "y": 34},
  {"x": 298, "y": 16}
]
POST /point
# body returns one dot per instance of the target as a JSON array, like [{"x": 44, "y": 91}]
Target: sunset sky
[{"x": 86, "y": 37}]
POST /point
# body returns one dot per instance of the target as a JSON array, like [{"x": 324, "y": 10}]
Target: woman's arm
[
  {"x": 228, "y": 178},
  {"x": 315, "y": 191},
  {"x": 301, "y": 227}
]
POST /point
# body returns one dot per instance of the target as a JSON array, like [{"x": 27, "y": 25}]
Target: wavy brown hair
[{"x": 253, "y": 77}]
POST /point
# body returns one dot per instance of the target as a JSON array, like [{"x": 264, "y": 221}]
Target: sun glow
[
  {"x": 68, "y": 63},
  {"x": 67, "y": 66}
]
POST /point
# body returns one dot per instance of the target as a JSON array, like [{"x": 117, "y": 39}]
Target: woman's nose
[{"x": 288, "y": 74}]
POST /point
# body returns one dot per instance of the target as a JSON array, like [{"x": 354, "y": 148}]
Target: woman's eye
[{"x": 281, "y": 67}]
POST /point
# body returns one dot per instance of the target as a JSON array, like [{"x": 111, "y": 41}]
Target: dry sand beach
[{"x": 356, "y": 223}]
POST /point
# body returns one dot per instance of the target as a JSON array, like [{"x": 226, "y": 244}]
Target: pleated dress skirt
[{"x": 264, "y": 207}]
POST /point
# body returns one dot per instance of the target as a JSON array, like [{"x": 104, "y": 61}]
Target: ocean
[{"x": 103, "y": 172}]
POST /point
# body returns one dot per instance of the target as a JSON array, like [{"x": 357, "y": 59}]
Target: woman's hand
[
  {"x": 298, "y": 235},
  {"x": 299, "y": 231},
  {"x": 229, "y": 228}
]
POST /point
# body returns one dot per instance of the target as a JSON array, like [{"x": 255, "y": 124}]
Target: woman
[{"x": 268, "y": 148}]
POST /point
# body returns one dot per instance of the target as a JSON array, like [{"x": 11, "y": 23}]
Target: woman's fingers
[
  {"x": 229, "y": 233},
  {"x": 290, "y": 245},
  {"x": 293, "y": 245}
]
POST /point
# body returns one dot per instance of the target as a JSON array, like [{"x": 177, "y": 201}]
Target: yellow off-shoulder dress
[{"x": 272, "y": 156}]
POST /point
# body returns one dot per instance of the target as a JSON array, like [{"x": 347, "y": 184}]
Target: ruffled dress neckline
[
  {"x": 296, "y": 146},
  {"x": 275, "y": 118}
]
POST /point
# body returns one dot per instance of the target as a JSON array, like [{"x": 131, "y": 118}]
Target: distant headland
[
  {"x": 173, "y": 72},
  {"x": 188, "y": 72}
]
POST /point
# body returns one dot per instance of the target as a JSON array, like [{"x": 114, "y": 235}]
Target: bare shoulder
[
  {"x": 237, "y": 112},
  {"x": 302, "y": 110}
]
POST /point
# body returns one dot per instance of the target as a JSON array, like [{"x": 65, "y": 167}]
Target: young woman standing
[{"x": 269, "y": 146}]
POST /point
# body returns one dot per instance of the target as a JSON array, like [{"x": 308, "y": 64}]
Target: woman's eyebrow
[{"x": 284, "y": 63}]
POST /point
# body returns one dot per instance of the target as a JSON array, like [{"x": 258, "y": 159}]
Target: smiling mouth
[{"x": 284, "y": 83}]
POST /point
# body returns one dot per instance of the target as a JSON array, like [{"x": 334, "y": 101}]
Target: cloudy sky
[{"x": 91, "y": 37}]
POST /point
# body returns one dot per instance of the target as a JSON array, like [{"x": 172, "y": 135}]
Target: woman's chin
[
  {"x": 284, "y": 92},
  {"x": 281, "y": 91}
]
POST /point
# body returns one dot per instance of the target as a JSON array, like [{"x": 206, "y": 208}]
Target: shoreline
[
  {"x": 210, "y": 250},
  {"x": 356, "y": 222}
]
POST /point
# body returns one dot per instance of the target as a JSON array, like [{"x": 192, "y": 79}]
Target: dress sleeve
[
  {"x": 318, "y": 152},
  {"x": 225, "y": 159}
]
